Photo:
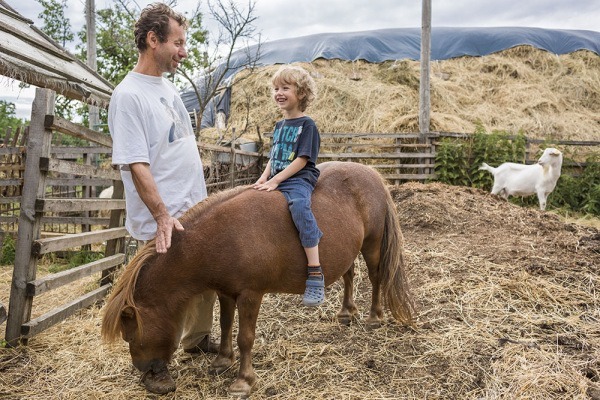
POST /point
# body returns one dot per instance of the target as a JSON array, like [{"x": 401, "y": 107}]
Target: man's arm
[{"x": 148, "y": 191}]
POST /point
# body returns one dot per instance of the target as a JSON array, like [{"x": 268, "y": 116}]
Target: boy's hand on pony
[{"x": 268, "y": 185}]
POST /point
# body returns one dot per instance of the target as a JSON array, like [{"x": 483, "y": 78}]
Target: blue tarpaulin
[{"x": 402, "y": 43}]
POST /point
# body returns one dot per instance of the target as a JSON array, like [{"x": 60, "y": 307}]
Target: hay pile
[
  {"x": 508, "y": 303},
  {"x": 520, "y": 89}
]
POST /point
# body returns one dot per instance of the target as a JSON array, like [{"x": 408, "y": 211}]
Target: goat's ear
[{"x": 555, "y": 152}]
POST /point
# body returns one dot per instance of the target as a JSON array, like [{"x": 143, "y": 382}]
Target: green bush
[
  {"x": 8, "y": 251},
  {"x": 457, "y": 161},
  {"x": 579, "y": 192},
  {"x": 451, "y": 166},
  {"x": 74, "y": 259}
]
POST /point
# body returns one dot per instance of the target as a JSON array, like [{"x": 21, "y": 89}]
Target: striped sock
[{"x": 315, "y": 272}]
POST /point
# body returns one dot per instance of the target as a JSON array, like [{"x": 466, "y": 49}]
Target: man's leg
[{"x": 198, "y": 324}]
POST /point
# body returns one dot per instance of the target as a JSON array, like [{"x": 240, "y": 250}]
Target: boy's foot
[{"x": 314, "y": 294}]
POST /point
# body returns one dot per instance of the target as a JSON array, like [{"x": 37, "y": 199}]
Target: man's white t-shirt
[{"x": 149, "y": 123}]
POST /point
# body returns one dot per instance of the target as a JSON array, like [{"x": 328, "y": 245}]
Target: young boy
[{"x": 291, "y": 168}]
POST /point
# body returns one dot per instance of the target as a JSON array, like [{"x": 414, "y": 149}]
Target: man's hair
[
  {"x": 155, "y": 18},
  {"x": 306, "y": 89}
]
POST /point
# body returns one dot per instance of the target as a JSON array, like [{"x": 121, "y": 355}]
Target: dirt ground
[{"x": 508, "y": 308}]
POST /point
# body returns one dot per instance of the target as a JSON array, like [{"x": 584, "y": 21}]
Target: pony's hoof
[
  {"x": 374, "y": 323},
  {"x": 220, "y": 365},
  {"x": 346, "y": 319},
  {"x": 240, "y": 388},
  {"x": 159, "y": 383}
]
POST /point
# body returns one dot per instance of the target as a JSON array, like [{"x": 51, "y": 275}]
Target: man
[{"x": 155, "y": 148}]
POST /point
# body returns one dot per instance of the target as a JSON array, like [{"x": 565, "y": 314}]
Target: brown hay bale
[{"x": 519, "y": 89}]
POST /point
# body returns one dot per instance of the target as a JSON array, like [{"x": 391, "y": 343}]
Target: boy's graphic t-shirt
[{"x": 293, "y": 138}]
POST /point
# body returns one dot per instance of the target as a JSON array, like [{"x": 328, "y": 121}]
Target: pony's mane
[
  {"x": 122, "y": 295},
  {"x": 218, "y": 197}
]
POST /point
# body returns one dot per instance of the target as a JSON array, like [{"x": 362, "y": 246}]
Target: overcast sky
[{"x": 279, "y": 19}]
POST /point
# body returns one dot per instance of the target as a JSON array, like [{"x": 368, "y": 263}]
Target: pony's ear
[
  {"x": 128, "y": 312},
  {"x": 128, "y": 324}
]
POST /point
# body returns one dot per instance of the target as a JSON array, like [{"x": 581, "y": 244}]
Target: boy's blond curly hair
[{"x": 306, "y": 89}]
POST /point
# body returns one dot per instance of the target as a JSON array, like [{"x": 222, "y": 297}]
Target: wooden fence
[
  {"x": 40, "y": 172},
  {"x": 53, "y": 186},
  {"x": 411, "y": 157}
]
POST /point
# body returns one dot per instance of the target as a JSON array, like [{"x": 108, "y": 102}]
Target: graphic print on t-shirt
[
  {"x": 178, "y": 128},
  {"x": 282, "y": 153}
]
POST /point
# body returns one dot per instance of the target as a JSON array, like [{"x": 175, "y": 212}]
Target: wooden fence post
[
  {"x": 114, "y": 246},
  {"x": 232, "y": 165},
  {"x": 34, "y": 186}
]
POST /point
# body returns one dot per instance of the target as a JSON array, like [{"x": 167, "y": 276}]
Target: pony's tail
[
  {"x": 122, "y": 295},
  {"x": 394, "y": 284}
]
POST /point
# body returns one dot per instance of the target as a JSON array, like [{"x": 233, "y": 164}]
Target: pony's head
[
  {"x": 151, "y": 348},
  {"x": 152, "y": 336}
]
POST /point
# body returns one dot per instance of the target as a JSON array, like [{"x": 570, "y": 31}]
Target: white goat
[
  {"x": 106, "y": 193},
  {"x": 512, "y": 179}
]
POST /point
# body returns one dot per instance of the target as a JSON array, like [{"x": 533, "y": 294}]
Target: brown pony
[{"x": 242, "y": 244}]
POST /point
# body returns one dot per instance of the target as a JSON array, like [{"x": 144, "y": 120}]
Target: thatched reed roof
[{"x": 30, "y": 56}]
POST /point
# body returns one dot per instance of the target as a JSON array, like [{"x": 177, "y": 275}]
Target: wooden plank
[
  {"x": 48, "y": 245},
  {"x": 7, "y": 137},
  {"x": 43, "y": 322},
  {"x": 45, "y": 46},
  {"x": 9, "y": 219},
  {"x": 68, "y": 167},
  {"x": 378, "y": 166},
  {"x": 16, "y": 136},
  {"x": 64, "y": 126},
  {"x": 80, "y": 181},
  {"x": 11, "y": 182},
  {"x": 77, "y": 205},
  {"x": 12, "y": 168},
  {"x": 3, "y": 314},
  {"x": 223, "y": 149},
  {"x": 75, "y": 220},
  {"x": 9, "y": 200},
  {"x": 57, "y": 151},
  {"x": 408, "y": 177},
  {"x": 376, "y": 145},
  {"x": 364, "y": 135},
  {"x": 114, "y": 246},
  {"x": 59, "y": 279},
  {"x": 12, "y": 150},
  {"x": 375, "y": 156}
]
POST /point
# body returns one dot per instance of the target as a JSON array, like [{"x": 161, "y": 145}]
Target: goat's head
[{"x": 551, "y": 156}]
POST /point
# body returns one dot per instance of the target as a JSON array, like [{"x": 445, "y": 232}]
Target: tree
[
  {"x": 236, "y": 30},
  {"x": 56, "y": 24},
  {"x": 116, "y": 51},
  {"x": 8, "y": 117}
]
